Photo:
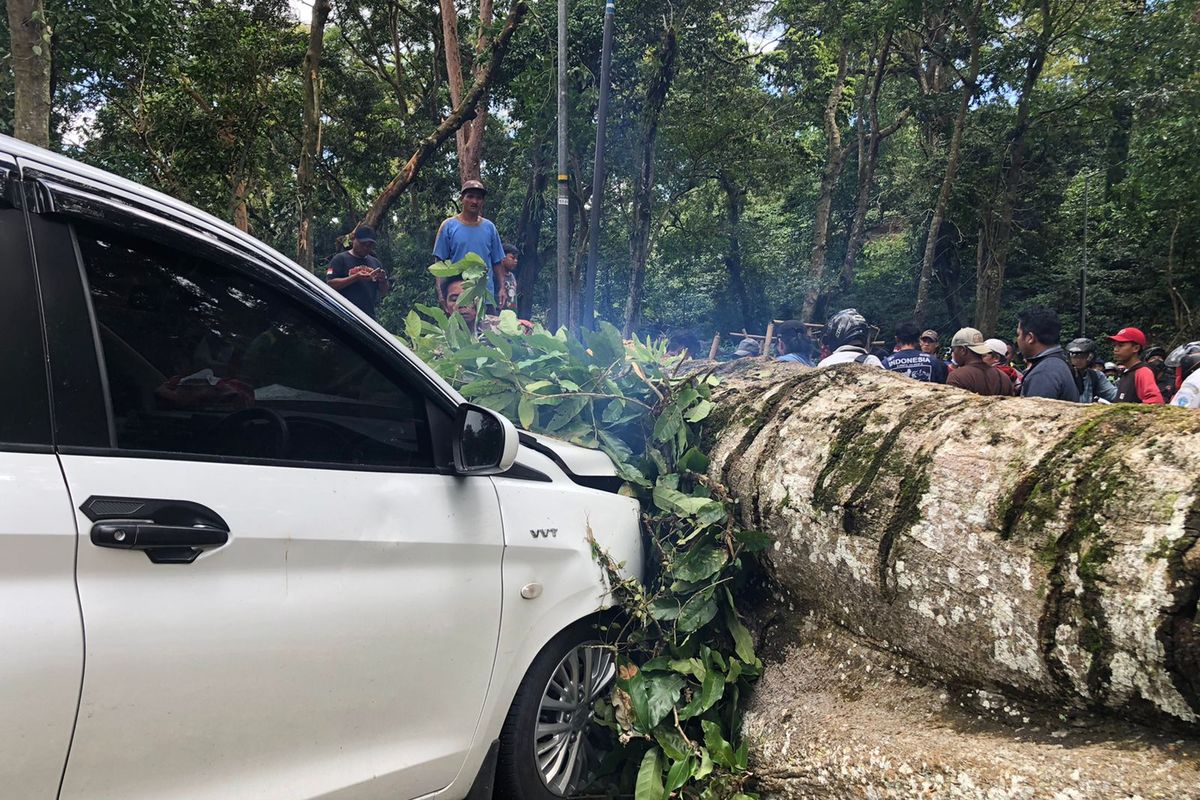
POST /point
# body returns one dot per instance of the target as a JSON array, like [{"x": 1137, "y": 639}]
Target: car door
[
  {"x": 41, "y": 639},
  {"x": 284, "y": 592}
]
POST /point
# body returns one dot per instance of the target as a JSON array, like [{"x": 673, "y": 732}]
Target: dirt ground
[{"x": 832, "y": 718}]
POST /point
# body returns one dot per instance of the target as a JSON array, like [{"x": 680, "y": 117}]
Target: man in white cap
[
  {"x": 968, "y": 348},
  {"x": 998, "y": 358}
]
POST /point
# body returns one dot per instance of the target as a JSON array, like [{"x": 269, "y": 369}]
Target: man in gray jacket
[{"x": 1049, "y": 374}]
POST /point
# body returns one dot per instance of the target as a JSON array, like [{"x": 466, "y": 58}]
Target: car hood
[{"x": 578, "y": 460}]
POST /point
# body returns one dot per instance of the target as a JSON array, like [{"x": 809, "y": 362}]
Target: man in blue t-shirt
[
  {"x": 909, "y": 359},
  {"x": 468, "y": 232}
]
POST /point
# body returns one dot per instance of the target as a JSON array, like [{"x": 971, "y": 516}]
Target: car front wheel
[{"x": 550, "y": 745}]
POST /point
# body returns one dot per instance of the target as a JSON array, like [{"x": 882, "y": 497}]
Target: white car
[{"x": 251, "y": 547}]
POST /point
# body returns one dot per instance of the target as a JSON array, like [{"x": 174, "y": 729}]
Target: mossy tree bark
[{"x": 1041, "y": 548}]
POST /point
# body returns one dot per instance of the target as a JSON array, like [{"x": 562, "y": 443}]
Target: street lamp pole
[
  {"x": 588, "y": 301},
  {"x": 562, "y": 208}
]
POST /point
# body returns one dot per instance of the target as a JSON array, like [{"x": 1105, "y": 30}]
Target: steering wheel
[{"x": 253, "y": 432}]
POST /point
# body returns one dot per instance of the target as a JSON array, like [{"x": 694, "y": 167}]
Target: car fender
[{"x": 551, "y": 578}]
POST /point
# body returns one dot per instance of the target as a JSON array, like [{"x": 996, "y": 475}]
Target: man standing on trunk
[
  {"x": 1136, "y": 383},
  {"x": 1049, "y": 374},
  {"x": 469, "y": 232}
]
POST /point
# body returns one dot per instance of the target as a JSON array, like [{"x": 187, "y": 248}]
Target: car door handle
[{"x": 163, "y": 544}]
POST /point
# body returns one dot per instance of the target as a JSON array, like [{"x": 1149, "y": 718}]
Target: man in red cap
[{"x": 1136, "y": 383}]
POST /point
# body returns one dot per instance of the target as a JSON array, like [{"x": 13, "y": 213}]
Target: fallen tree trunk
[{"x": 1038, "y": 548}]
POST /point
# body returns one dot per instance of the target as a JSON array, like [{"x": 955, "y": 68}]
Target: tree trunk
[
  {"x": 868, "y": 158},
  {"x": 1045, "y": 549},
  {"x": 735, "y": 203},
  {"x": 462, "y": 113},
  {"x": 996, "y": 232},
  {"x": 835, "y": 158},
  {"x": 311, "y": 133},
  {"x": 468, "y": 138},
  {"x": 239, "y": 212},
  {"x": 470, "y": 169},
  {"x": 952, "y": 156},
  {"x": 529, "y": 231},
  {"x": 639, "y": 236},
  {"x": 29, "y": 40}
]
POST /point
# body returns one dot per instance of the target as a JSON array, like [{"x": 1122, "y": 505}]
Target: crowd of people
[
  {"x": 360, "y": 276},
  {"x": 1138, "y": 373}
]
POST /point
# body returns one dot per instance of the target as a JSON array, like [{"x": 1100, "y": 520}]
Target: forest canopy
[{"x": 949, "y": 161}]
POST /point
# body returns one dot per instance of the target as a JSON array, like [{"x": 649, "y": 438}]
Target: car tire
[{"x": 549, "y": 742}]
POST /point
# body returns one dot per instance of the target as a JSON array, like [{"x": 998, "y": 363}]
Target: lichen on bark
[{"x": 1045, "y": 548}]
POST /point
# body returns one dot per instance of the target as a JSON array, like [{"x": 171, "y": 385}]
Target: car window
[
  {"x": 24, "y": 397},
  {"x": 203, "y": 358}
]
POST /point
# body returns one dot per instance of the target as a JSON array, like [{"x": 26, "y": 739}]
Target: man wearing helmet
[
  {"x": 1184, "y": 360},
  {"x": 1136, "y": 384},
  {"x": 1091, "y": 382},
  {"x": 1155, "y": 358},
  {"x": 847, "y": 334}
]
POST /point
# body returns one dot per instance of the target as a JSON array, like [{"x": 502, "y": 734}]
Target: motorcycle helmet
[
  {"x": 1082, "y": 347},
  {"x": 1184, "y": 358},
  {"x": 846, "y": 327}
]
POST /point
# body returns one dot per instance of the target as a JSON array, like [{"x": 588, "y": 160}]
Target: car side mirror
[{"x": 485, "y": 443}]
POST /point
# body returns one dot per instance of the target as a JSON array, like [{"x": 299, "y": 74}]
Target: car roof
[{"x": 31, "y": 156}]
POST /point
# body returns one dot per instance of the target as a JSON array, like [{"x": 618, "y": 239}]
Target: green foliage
[{"x": 685, "y": 658}]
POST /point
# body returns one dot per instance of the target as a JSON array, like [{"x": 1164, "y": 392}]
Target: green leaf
[
  {"x": 700, "y": 411},
  {"x": 697, "y": 612},
  {"x": 676, "y": 502},
  {"x": 412, "y": 325},
  {"x": 526, "y": 412},
  {"x": 701, "y": 562},
  {"x": 668, "y": 424},
  {"x": 710, "y": 692},
  {"x": 662, "y": 692},
  {"x": 690, "y": 666},
  {"x": 741, "y": 757},
  {"x": 721, "y": 750},
  {"x": 753, "y": 541},
  {"x": 444, "y": 269},
  {"x": 743, "y": 642},
  {"x": 706, "y": 765},
  {"x": 508, "y": 323},
  {"x": 672, "y": 742},
  {"x": 649, "y": 778},
  {"x": 535, "y": 385},
  {"x": 680, "y": 773},
  {"x": 665, "y": 608},
  {"x": 694, "y": 461},
  {"x": 635, "y": 687},
  {"x": 567, "y": 411},
  {"x": 612, "y": 411}
]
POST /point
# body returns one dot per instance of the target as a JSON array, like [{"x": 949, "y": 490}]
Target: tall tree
[
  {"x": 835, "y": 159},
  {"x": 643, "y": 192},
  {"x": 469, "y": 137},
  {"x": 464, "y": 111},
  {"x": 29, "y": 35},
  {"x": 311, "y": 135},
  {"x": 996, "y": 225},
  {"x": 971, "y": 20},
  {"x": 869, "y": 138}
]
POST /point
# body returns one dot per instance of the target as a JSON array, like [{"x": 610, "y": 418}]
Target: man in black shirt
[{"x": 357, "y": 274}]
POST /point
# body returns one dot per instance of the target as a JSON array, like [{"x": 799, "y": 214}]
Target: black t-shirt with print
[{"x": 364, "y": 293}]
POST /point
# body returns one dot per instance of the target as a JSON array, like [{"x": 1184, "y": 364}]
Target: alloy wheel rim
[{"x": 563, "y": 750}]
